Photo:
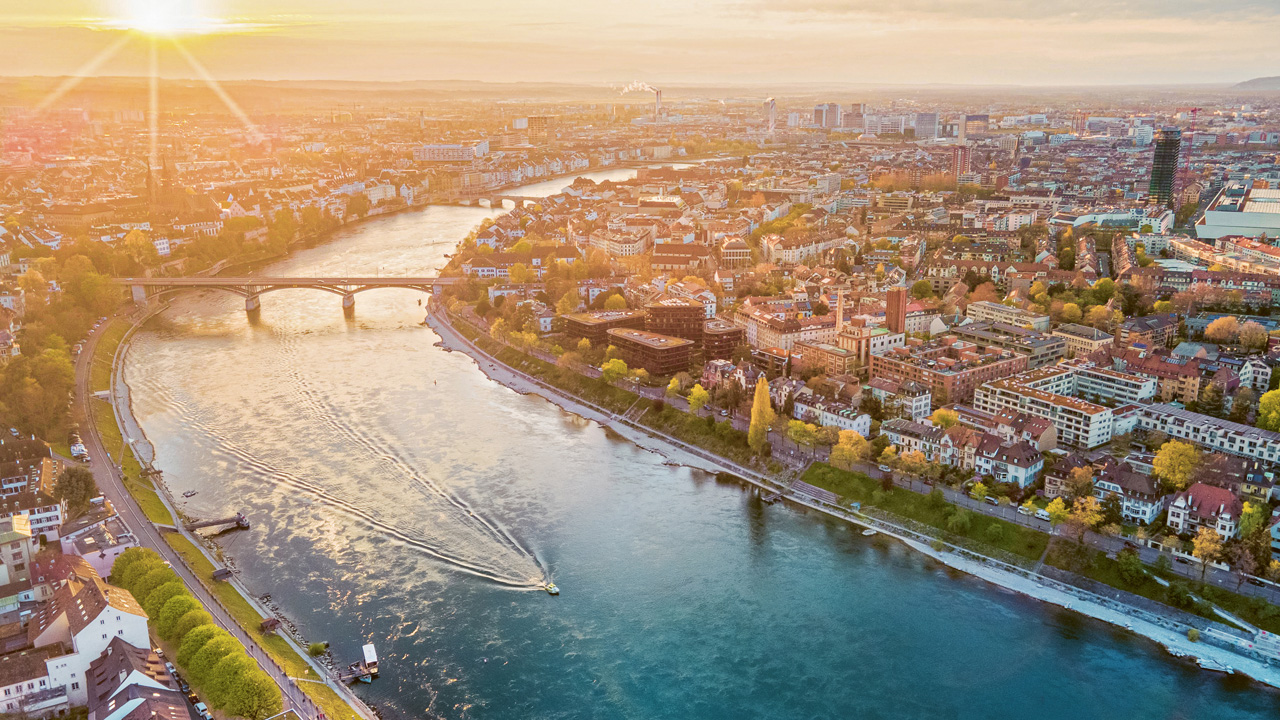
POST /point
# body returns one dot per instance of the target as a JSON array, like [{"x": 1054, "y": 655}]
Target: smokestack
[
  {"x": 839, "y": 310},
  {"x": 657, "y": 104}
]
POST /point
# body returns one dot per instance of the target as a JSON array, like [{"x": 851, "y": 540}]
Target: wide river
[{"x": 400, "y": 497}]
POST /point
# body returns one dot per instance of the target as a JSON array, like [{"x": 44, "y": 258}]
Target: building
[
  {"x": 1052, "y": 393},
  {"x": 994, "y": 312},
  {"x": 812, "y": 408},
  {"x": 1211, "y": 433},
  {"x": 1039, "y": 348},
  {"x": 657, "y": 354},
  {"x": 950, "y": 367},
  {"x": 926, "y": 126},
  {"x": 1205, "y": 506},
  {"x": 1139, "y": 494},
  {"x": 1154, "y": 331},
  {"x": 1241, "y": 208},
  {"x": 895, "y": 310},
  {"x": 720, "y": 339},
  {"x": 677, "y": 317},
  {"x": 1164, "y": 167},
  {"x": 22, "y": 461},
  {"x": 863, "y": 340},
  {"x": 1016, "y": 462},
  {"x": 594, "y": 326},
  {"x": 961, "y": 160},
  {"x": 132, "y": 682},
  {"x": 1082, "y": 340},
  {"x": 909, "y": 400}
]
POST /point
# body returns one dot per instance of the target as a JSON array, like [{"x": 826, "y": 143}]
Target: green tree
[
  {"x": 189, "y": 622},
  {"x": 77, "y": 488},
  {"x": 801, "y": 433},
  {"x": 357, "y": 205},
  {"x": 922, "y": 290},
  {"x": 222, "y": 681},
  {"x": 1130, "y": 567},
  {"x": 1176, "y": 464},
  {"x": 959, "y": 520},
  {"x": 172, "y": 612},
  {"x": 614, "y": 370},
  {"x": 130, "y": 557},
  {"x": 1058, "y": 512},
  {"x": 1253, "y": 519},
  {"x": 202, "y": 662},
  {"x": 161, "y": 595},
  {"x": 615, "y": 302},
  {"x": 1242, "y": 403},
  {"x": 1212, "y": 403},
  {"x": 698, "y": 398},
  {"x": 1269, "y": 409},
  {"x": 195, "y": 640},
  {"x": 142, "y": 585},
  {"x": 254, "y": 696},
  {"x": 761, "y": 417}
]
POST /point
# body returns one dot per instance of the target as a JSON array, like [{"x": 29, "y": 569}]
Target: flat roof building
[
  {"x": 594, "y": 326},
  {"x": 657, "y": 354}
]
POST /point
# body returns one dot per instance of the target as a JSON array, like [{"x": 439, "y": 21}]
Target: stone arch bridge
[{"x": 251, "y": 288}]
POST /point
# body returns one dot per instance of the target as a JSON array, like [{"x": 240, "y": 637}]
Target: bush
[
  {"x": 937, "y": 544},
  {"x": 1193, "y": 635},
  {"x": 995, "y": 533},
  {"x": 171, "y": 612},
  {"x": 317, "y": 649},
  {"x": 189, "y": 622}
]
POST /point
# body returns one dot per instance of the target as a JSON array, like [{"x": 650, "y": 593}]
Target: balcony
[{"x": 44, "y": 700}]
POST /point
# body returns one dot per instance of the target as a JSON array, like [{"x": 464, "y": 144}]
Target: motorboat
[{"x": 551, "y": 589}]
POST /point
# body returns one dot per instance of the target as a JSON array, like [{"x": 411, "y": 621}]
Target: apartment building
[
  {"x": 1082, "y": 340},
  {"x": 993, "y": 312},
  {"x": 1154, "y": 331},
  {"x": 656, "y": 354},
  {"x": 949, "y": 367},
  {"x": 1040, "y": 349},
  {"x": 1205, "y": 506},
  {"x": 1211, "y": 433}
]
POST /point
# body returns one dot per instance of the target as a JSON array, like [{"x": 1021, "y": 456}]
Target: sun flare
[{"x": 164, "y": 17}]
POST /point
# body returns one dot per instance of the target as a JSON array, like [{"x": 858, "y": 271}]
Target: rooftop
[{"x": 653, "y": 340}]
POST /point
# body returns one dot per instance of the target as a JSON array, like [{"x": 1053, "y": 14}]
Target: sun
[{"x": 164, "y": 17}]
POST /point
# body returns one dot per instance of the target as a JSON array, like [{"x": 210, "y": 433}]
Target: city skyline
[{"x": 738, "y": 42}]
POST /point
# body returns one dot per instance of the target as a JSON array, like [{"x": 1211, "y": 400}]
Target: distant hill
[{"x": 1262, "y": 83}]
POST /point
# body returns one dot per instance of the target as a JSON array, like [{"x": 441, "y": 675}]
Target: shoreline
[{"x": 1171, "y": 637}]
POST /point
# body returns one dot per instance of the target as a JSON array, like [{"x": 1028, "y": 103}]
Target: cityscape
[{"x": 419, "y": 361}]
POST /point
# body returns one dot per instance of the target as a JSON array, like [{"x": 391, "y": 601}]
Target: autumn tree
[
  {"x": 1253, "y": 336},
  {"x": 1269, "y": 411},
  {"x": 1224, "y": 330},
  {"x": 614, "y": 370},
  {"x": 698, "y": 398},
  {"x": 1079, "y": 483},
  {"x": 801, "y": 433},
  {"x": 944, "y": 418},
  {"x": 1176, "y": 464},
  {"x": 1086, "y": 512},
  {"x": 850, "y": 448},
  {"x": 1207, "y": 548},
  {"x": 1058, "y": 512},
  {"x": 1071, "y": 313},
  {"x": 615, "y": 302},
  {"x": 761, "y": 417}
]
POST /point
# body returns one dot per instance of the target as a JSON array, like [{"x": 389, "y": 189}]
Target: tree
[
  {"x": 1071, "y": 313},
  {"x": 1211, "y": 401},
  {"x": 922, "y": 290},
  {"x": 142, "y": 586},
  {"x": 1224, "y": 330},
  {"x": 189, "y": 622},
  {"x": 130, "y": 557},
  {"x": 223, "y": 679},
  {"x": 256, "y": 697},
  {"x": 1269, "y": 410},
  {"x": 1252, "y": 336},
  {"x": 1162, "y": 307},
  {"x": 698, "y": 398},
  {"x": 1079, "y": 483},
  {"x": 978, "y": 491},
  {"x": 1243, "y": 562},
  {"x": 161, "y": 595},
  {"x": 1028, "y": 507},
  {"x": 1087, "y": 513},
  {"x": 1176, "y": 464},
  {"x": 849, "y": 449},
  {"x": 959, "y": 520},
  {"x": 1099, "y": 317},
  {"x": 172, "y": 612},
  {"x": 945, "y": 418},
  {"x": 77, "y": 488},
  {"x": 568, "y": 303},
  {"x": 615, "y": 302},
  {"x": 195, "y": 641},
  {"x": 986, "y": 292},
  {"x": 139, "y": 247},
  {"x": 761, "y": 417},
  {"x": 801, "y": 433},
  {"x": 1058, "y": 512},
  {"x": 1242, "y": 404},
  {"x": 614, "y": 370},
  {"x": 1130, "y": 567},
  {"x": 358, "y": 205},
  {"x": 912, "y": 461},
  {"x": 520, "y": 273},
  {"x": 1112, "y": 511},
  {"x": 889, "y": 456},
  {"x": 1206, "y": 547},
  {"x": 202, "y": 663},
  {"x": 1253, "y": 519}
]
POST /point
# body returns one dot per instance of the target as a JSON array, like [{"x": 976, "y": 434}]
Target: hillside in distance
[{"x": 1261, "y": 83}]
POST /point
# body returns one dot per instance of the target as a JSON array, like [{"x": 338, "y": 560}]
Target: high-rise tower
[{"x": 1164, "y": 167}]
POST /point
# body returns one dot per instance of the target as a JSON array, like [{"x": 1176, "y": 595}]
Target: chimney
[{"x": 839, "y": 310}]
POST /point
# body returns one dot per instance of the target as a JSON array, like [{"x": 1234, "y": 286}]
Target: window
[{"x": 75, "y": 686}]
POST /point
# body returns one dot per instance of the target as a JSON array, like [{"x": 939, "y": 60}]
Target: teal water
[{"x": 400, "y": 497}]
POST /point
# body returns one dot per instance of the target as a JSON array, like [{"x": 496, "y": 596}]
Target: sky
[{"x": 603, "y": 42}]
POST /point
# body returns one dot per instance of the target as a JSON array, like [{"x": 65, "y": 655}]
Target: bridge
[
  {"x": 495, "y": 200},
  {"x": 251, "y": 288}
]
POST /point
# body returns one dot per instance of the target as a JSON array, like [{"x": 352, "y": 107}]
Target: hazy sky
[{"x": 1031, "y": 42}]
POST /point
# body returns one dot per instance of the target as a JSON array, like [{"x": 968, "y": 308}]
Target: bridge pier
[
  {"x": 252, "y": 304},
  {"x": 139, "y": 295},
  {"x": 349, "y": 305}
]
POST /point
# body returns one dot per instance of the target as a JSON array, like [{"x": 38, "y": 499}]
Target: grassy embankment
[
  {"x": 250, "y": 620},
  {"x": 142, "y": 490}
]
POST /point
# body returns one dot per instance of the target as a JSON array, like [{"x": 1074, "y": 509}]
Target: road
[{"x": 110, "y": 482}]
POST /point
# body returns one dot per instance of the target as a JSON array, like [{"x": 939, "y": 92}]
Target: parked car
[
  {"x": 1025, "y": 510},
  {"x": 203, "y": 711},
  {"x": 14, "y": 431},
  {"x": 991, "y": 500},
  {"x": 1042, "y": 514},
  {"x": 885, "y": 469}
]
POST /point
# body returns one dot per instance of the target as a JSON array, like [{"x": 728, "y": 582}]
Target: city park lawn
[
  {"x": 857, "y": 487},
  {"x": 250, "y": 620}
]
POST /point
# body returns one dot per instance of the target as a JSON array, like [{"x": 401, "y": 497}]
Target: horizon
[{"x": 739, "y": 43}]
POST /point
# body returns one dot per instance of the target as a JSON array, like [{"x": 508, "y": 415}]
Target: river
[{"x": 398, "y": 496}]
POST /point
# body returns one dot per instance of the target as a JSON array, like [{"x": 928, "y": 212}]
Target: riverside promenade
[{"x": 1217, "y": 647}]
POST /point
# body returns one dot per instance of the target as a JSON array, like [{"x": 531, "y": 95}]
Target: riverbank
[
  {"x": 1170, "y": 635},
  {"x": 237, "y": 604}
]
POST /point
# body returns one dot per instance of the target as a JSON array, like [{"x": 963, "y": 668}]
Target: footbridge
[{"x": 251, "y": 288}]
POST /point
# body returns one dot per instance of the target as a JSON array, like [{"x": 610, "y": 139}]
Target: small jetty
[
  {"x": 238, "y": 521},
  {"x": 365, "y": 670}
]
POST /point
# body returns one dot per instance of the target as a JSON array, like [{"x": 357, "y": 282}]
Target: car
[
  {"x": 885, "y": 469},
  {"x": 724, "y": 413},
  {"x": 1182, "y": 560},
  {"x": 991, "y": 500},
  {"x": 191, "y": 698},
  {"x": 172, "y": 670},
  {"x": 203, "y": 710},
  {"x": 1256, "y": 582},
  {"x": 158, "y": 651},
  {"x": 1023, "y": 510},
  {"x": 1042, "y": 514},
  {"x": 14, "y": 431}
]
